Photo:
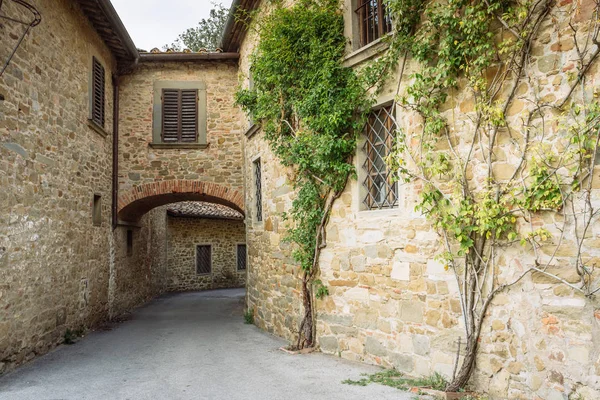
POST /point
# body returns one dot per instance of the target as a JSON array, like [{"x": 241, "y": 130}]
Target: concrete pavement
[{"x": 188, "y": 346}]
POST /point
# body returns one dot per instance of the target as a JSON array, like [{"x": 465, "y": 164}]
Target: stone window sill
[
  {"x": 178, "y": 145},
  {"x": 97, "y": 128},
  {"x": 366, "y": 52},
  {"x": 252, "y": 130},
  {"x": 385, "y": 212}
]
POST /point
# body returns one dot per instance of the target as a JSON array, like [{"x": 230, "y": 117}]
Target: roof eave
[
  {"x": 236, "y": 28},
  {"x": 159, "y": 57}
]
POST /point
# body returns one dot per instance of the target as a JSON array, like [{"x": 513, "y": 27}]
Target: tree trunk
[
  {"x": 305, "y": 333},
  {"x": 462, "y": 378}
]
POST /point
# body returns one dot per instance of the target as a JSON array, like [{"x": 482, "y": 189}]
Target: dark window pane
[{"x": 241, "y": 257}]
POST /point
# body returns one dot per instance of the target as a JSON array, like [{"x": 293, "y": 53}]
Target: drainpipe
[{"x": 115, "y": 152}]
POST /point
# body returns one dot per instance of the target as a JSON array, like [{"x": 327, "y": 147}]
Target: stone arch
[{"x": 137, "y": 201}]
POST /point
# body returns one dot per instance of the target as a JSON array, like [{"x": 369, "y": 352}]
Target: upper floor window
[
  {"x": 381, "y": 188},
  {"x": 97, "y": 95},
  {"x": 374, "y": 20},
  {"x": 179, "y": 114}
]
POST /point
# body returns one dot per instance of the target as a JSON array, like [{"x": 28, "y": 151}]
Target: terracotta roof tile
[{"x": 201, "y": 209}]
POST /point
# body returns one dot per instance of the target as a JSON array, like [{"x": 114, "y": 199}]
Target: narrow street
[{"x": 188, "y": 346}]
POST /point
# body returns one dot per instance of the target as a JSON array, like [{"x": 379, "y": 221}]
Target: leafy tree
[{"x": 206, "y": 35}]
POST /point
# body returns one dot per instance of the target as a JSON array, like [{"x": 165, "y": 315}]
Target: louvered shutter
[
  {"x": 189, "y": 115},
  {"x": 179, "y": 115},
  {"x": 170, "y": 115},
  {"x": 98, "y": 97}
]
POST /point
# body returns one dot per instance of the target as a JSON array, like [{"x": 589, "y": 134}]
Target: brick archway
[{"x": 137, "y": 201}]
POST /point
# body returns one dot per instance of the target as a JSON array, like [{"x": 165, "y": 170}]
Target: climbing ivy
[{"x": 310, "y": 108}]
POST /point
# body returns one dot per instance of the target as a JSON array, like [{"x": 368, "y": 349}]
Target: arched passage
[{"x": 140, "y": 199}]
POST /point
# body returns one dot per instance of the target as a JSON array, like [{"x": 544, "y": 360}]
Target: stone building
[
  {"x": 390, "y": 302},
  {"x": 100, "y": 144},
  {"x": 93, "y": 148}
]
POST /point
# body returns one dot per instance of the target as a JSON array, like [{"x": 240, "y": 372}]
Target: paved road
[{"x": 188, "y": 346}]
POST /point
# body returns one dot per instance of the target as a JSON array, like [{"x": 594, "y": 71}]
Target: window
[
  {"x": 97, "y": 94},
  {"x": 374, "y": 20},
  {"x": 97, "y": 210},
  {"x": 381, "y": 188},
  {"x": 258, "y": 188},
  {"x": 129, "y": 242},
  {"x": 179, "y": 115},
  {"x": 203, "y": 259},
  {"x": 241, "y": 257}
]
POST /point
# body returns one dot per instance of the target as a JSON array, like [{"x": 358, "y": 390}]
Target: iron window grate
[
  {"x": 258, "y": 183},
  {"x": 374, "y": 20},
  {"x": 241, "y": 257},
  {"x": 203, "y": 259},
  {"x": 381, "y": 188}
]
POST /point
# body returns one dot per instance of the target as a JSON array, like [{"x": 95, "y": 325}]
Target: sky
[{"x": 155, "y": 23}]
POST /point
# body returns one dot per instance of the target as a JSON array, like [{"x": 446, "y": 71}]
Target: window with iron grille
[
  {"x": 179, "y": 115},
  {"x": 374, "y": 20},
  {"x": 258, "y": 187},
  {"x": 97, "y": 93},
  {"x": 203, "y": 259},
  {"x": 381, "y": 188},
  {"x": 241, "y": 257}
]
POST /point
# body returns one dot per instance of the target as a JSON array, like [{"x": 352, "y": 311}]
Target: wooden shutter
[
  {"x": 189, "y": 115},
  {"x": 98, "y": 96},
  {"x": 179, "y": 115},
  {"x": 170, "y": 115}
]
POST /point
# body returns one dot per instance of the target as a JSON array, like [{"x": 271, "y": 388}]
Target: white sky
[{"x": 154, "y": 23}]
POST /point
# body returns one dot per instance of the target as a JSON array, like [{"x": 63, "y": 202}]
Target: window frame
[
  {"x": 366, "y": 200},
  {"x": 237, "y": 257},
  {"x": 157, "y": 114},
  {"x": 210, "y": 259}
]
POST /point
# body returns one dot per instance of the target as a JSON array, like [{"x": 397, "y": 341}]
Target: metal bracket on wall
[{"x": 36, "y": 19}]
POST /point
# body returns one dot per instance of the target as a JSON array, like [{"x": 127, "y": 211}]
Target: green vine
[
  {"x": 310, "y": 108},
  {"x": 481, "y": 49}
]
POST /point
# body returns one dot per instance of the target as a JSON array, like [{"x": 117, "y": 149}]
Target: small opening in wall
[
  {"x": 97, "y": 210},
  {"x": 129, "y": 242},
  {"x": 241, "y": 257}
]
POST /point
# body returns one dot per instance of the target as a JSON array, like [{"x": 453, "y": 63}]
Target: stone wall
[
  {"x": 54, "y": 262},
  {"x": 273, "y": 288},
  {"x": 139, "y": 273},
  {"x": 222, "y": 235},
  {"x": 219, "y": 163},
  {"x": 391, "y": 303}
]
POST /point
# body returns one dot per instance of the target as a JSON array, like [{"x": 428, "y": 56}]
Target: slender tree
[{"x": 204, "y": 36}]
